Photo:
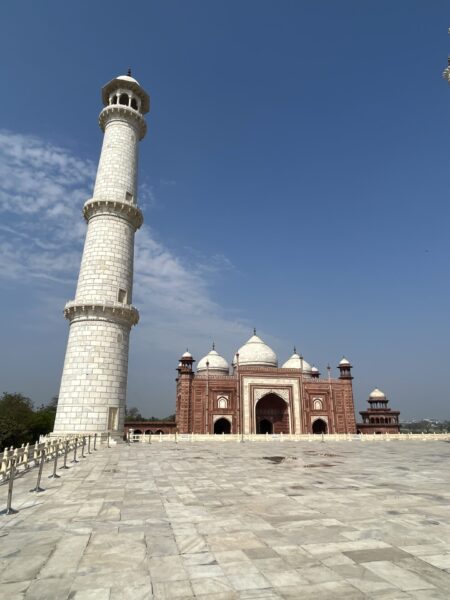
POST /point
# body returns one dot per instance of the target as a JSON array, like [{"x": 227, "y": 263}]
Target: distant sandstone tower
[{"x": 94, "y": 380}]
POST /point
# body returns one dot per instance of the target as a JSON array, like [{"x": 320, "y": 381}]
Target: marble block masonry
[{"x": 94, "y": 380}]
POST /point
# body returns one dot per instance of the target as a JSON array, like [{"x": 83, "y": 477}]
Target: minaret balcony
[
  {"x": 121, "y": 112},
  {"x": 101, "y": 311},
  {"x": 118, "y": 208}
]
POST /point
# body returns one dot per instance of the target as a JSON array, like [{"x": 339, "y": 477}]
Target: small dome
[
  {"x": 344, "y": 362},
  {"x": 216, "y": 363},
  {"x": 187, "y": 354},
  {"x": 256, "y": 352},
  {"x": 377, "y": 394},
  {"x": 295, "y": 362},
  {"x": 314, "y": 370},
  {"x": 128, "y": 78}
]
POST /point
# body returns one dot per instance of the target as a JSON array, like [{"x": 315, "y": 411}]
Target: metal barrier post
[
  {"x": 75, "y": 451},
  {"x": 89, "y": 444},
  {"x": 82, "y": 447},
  {"x": 9, "y": 510},
  {"x": 66, "y": 450},
  {"x": 108, "y": 439},
  {"x": 41, "y": 466},
  {"x": 95, "y": 441},
  {"x": 55, "y": 475}
]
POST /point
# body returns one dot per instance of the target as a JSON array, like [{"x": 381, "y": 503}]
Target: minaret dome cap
[{"x": 130, "y": 83}]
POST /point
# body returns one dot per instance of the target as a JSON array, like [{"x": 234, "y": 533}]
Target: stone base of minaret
[{"x": 93, "y": 387}]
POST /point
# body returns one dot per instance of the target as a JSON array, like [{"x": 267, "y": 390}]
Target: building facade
[
  {"x": 258, "y": 396},
  {"x": 94, "y": 379}
]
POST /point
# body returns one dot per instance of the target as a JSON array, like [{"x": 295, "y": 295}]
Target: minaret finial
[
  {"x": 129, "y": 72},
  {"x": 254, "y": 330}
]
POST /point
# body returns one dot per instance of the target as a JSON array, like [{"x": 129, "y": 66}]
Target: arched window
[
  {"x": 222, "y": 402},
  {"x": 317, "y": 404},
  {"x": 114, "y": 99},
  {"x": 123, "y": 99},
  {"x": 134, "y": 103}
]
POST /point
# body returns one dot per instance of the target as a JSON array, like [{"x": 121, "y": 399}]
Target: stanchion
[
  {"x": 41, "y": 466},
  {"x": 323, "y": 439},
  {"x": 89, "y": 445},
  {"x": 95, "y": 441},
  {"x": 82, "y": 447},
  {"x": 55, "y": 475},
  {"x": 66, "y": 450},
  {"x": 9, "y": 510},
  {"x": 108, "y": 440},
  {"x": 75, "y": 446}
]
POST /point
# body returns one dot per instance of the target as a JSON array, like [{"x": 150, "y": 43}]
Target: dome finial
[
  {"x": 254, "y": 330},
  {"x": 213, "y": 346},
  {"x": 295, "y": 350},
  {"x": 129, "y": 72}
]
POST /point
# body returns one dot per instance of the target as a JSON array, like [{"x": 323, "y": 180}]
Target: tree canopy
[{"x": 20, "y": 422}]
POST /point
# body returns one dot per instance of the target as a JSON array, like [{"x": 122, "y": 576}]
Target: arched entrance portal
[
  {"x": 222, "y": 426},
  {"x": 319, "y": 426},
  {"x": 272, "y": 415}
]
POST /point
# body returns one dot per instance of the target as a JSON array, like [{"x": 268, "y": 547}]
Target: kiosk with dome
[{"x": 258, "y": 396}]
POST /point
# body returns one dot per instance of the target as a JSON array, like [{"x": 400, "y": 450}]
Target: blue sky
[{"x": 293, "y": 178}]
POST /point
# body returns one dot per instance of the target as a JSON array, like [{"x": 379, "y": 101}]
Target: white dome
[
  {"x": 296, "y": 363},
  {"x": 377, "y": 394},
  {"x": 187, "y": 354},
  {"x": 343, "y": 362},
  {"x": 314, "y": 370},
  {"x": 256, "y": 352},
  {"x": 216, "y": 363},
  {"x": 128, "y": 78}
]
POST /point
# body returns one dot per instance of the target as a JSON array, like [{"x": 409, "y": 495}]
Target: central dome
[{"x": 256, "y": 353}]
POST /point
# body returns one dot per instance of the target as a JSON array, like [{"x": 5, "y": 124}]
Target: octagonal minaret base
[{"x": 94, "y": 381}]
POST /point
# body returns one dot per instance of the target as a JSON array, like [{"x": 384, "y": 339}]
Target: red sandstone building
[
  {"x": 378, "y": 418},
  {"x": 258, "y": 396}
]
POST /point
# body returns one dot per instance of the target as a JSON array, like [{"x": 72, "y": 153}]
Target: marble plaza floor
[{"x": 334, "y": 520}]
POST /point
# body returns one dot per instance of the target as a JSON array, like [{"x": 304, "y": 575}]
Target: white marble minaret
[{"x": 94, "y": 379}]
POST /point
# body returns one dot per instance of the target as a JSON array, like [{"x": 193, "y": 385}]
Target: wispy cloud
[{"x": 42, "y": 190}]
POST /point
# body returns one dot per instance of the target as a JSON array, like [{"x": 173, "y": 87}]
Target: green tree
[
  {"x": 20, "y": 423},
  {"x": 133, "y": 414},
  {"x": 16, "y": 419},
  {"x": 44, "y": 419}
]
